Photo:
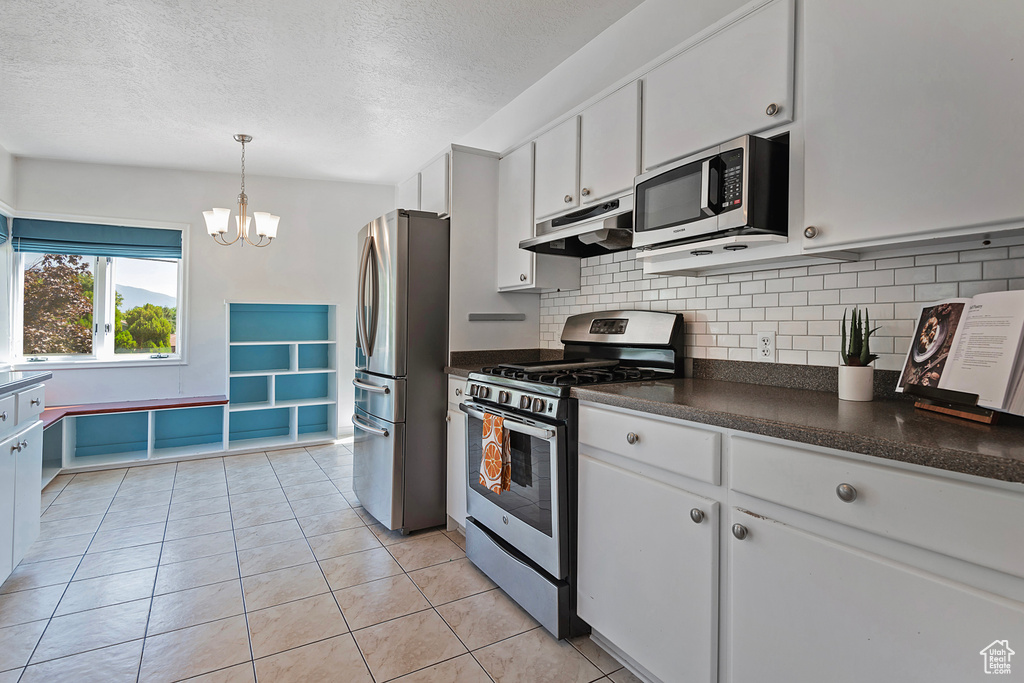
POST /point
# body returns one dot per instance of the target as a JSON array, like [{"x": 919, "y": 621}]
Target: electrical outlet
[{"x": 765, "y": 347}]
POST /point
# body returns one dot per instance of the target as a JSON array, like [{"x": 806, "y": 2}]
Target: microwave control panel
[{"x": 732, "y": 179}]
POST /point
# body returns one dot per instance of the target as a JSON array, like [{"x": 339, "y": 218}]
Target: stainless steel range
[{"x": 524, "y": 538}]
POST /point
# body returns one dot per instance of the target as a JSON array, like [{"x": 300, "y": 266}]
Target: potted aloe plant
[{"x": 856, "y": 375}]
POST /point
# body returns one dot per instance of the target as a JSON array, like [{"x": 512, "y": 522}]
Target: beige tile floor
[{"x": 260, "y": 567}]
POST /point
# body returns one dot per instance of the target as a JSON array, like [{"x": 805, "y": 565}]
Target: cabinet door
[
  {"x": 610, "y": 145},
  {"x": 456, "y": 501},
  {"x": 408, "y": 196},
  {"x": 514, "y": 266},
  {"x": 721, "y": 87},
  {"x": 648, "y": 575},
  {"x": 801, "y": 605},
  {"x": 434, "y": 187},
  {"x": 8, "y": 453},
  {"x": 913, "y": 116},
  {"x": 28, "y": 483},
  {"x": 557, "y": 169}
]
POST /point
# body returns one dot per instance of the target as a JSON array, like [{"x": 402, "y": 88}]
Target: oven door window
[
  {"x": 529, "y": 496},
  {"x": 672, "y": 198}
]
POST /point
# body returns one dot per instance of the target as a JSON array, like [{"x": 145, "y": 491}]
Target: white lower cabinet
[
  {"x": 21, "y": 472},
  {"x": 456, "y": 474},
  {"x": 28, "y": 477},
  {"x": 648, "y": 572},
  {"x": 806, "y": 608},
  {"x": 842, "y": 567}
]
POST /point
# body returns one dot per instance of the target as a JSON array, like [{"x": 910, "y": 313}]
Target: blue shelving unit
[{"x": 282, "y": 374}]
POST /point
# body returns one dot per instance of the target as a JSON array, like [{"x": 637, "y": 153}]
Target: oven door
[{"x": 531, "y": 516}]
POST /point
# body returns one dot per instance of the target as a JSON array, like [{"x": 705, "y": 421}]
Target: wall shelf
[{"x": 282, "y": 389}]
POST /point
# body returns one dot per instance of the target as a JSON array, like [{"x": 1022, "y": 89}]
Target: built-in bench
[{"x": 99, "y": 434}]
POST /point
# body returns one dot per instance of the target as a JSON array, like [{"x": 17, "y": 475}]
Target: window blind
[
  {"x": 89, "y": 239},
  {"x": 3, "y": 228}
]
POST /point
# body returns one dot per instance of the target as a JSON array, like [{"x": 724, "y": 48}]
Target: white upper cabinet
[
  {"x": 610, "y": 145},
  {"x": 514, "y": 266},
  {"x": 408, "y": 196},
  {"x": 434, "y": 186},
  {"x": 913, "y": 119},
  {"x": 722, "y": 87},
  {"x": 557, "y": 178}
]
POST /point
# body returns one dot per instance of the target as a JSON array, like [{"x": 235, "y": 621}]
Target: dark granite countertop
[
  {"x": 888, "y": 429},
  {"x": 11, "y": 381}
]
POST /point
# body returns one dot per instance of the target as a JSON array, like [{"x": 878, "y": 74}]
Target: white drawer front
[
  {"x": 960, "y": 519},
  {"x": 8, "y": 414},
  {"x": 31, "y": 402},
  {"x": 456, "y": 389},
  {"x": 659, "y": 442}
]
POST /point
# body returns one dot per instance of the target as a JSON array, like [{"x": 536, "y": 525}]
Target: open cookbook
[{"x": 971, "y": 346}]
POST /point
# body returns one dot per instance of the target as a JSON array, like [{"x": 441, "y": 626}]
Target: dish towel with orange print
[{"x": 496, "y": 465}]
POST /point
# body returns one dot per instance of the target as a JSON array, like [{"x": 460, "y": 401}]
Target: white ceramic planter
[{"x": 856, "y": 382}]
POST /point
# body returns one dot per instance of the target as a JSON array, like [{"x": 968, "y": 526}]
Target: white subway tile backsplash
[{"x": 802, "y": 305}]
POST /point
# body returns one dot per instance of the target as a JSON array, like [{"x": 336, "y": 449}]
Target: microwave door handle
[{"x": 707, "y": 207}]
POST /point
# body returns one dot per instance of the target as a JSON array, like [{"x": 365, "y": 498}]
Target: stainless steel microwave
[{"x": 740, "y": 187}]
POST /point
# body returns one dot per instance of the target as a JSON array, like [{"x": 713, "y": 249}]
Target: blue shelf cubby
[
  {"x": 315, "y": 357},
  {"x": 185, "y": 427},
  {"x": 113, "y": 436},
  {"x": 279, "y": 322},
  {"x": 314, "y": 419},
  {"x": 258, "y": 424},
  {"x": 249, "y": 389},
  {"x": 298, "y": 387},
  {"x": 259, "y": 358}
]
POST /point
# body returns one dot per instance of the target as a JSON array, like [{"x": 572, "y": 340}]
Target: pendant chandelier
[{"x": 217, "y": 219}]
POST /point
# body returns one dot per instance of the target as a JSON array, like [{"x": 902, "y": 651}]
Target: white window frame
[{"x": 103, "y": 350}]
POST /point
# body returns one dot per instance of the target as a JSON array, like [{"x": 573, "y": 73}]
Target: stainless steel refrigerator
[{"x": 400, "y": 386}]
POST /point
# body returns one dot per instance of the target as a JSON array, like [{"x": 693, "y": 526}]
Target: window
[{"x": 79, "y": 303}]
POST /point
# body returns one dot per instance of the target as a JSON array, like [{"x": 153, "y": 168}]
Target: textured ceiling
[{"x": 344, "y": 89}]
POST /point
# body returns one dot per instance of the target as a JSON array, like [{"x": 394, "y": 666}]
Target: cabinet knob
[
  {"x": 568, "y": 198},
  {"x": 24, "y": 444},
  {"x": 810, "y": 232},
  {"x": 34, "y": 401},
  {"x": 697, "y": 515},
  {"x": 522, "y": 277},
  {"x": 632, "y": 438},
  {"x": 16, "y": 448},
  {"x": 772, "y": 109},
  {"x": 739, "y": 531},
  {"x": 846, "y": 493},
  {"x": 447, "y": 418},
  {"x": 3, "y": 416},
  {"x": 458, "y": 392},
  {"x": 585, "y": 192}
]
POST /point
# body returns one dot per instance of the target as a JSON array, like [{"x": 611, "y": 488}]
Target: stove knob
[
  {"x": 525, "y": 402},
  {"x": 474, "y": 389},
  {"x": 485, "y": 392},
  {"x": 539, "y": 405},
  {"x": 504, "y": 397}
]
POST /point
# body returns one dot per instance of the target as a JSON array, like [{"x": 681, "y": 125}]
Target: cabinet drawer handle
[
  {"x": 632, "y": 438},
  {"x": 772, "y": 109},
  {"x": 739, "y": 531},
  {"x": 34, "y": 401},
  {"x": 846, "y": 493},
  {"x": 697, "y": 515},
  {"x": 585, "y": 192},
  {"x": 810, "y": 232},
  {"x": 568, "y": 198}
]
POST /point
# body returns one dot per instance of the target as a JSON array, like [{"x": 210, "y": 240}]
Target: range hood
[{"x": 593, "y": 231}]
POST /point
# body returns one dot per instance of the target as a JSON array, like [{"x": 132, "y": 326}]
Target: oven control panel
[{"x": 517, "y": 400}]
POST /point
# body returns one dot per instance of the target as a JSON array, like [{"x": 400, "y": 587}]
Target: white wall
[
  {"x": 7, "y": 187},
  {"x": 313, "y": 260},
  {"x": 621, "y": 50}
]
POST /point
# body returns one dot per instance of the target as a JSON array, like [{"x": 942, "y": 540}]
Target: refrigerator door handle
[
  {"x": 366, "y": 427},
  {"x": 361, "y": 298},
  {"x": 373, "y": 388},
  {"x": 371, "y": 336}
]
